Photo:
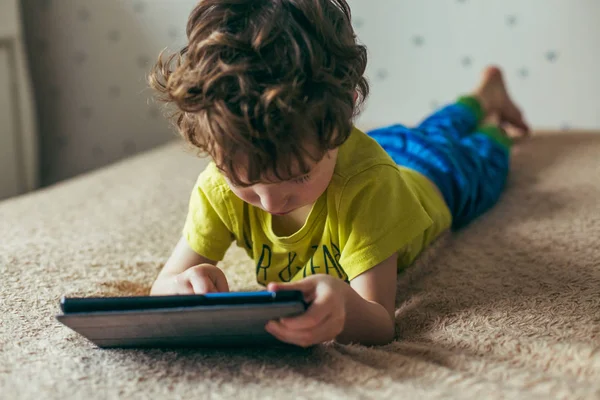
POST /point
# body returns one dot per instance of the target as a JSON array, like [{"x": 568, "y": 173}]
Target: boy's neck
[{"x": 287, "y": 225}]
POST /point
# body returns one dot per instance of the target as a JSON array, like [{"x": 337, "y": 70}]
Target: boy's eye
[
  {"x": 237, "y": 185},
  {"x": 302, "y": 179},
  {"x": 231, "y": 183}
]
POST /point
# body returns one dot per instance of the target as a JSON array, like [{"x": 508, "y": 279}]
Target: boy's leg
[
  {"x": 458, "y": 120},
  {"x": 470, "y": 172},
  {"x": 484, "y": 156},
  {"x": 468, "y": 164},
  {"x": 454, "y": 121},
  {"x": 483, "y": 163}
]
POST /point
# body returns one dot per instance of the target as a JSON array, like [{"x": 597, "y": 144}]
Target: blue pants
[{"x": 469, "y": 163}]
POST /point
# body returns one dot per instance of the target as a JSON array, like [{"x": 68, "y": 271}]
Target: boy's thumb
[{"x": 277, "y": 287}]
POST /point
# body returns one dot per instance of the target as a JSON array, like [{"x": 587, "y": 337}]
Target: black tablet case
[{"x": 213, "y": 326}]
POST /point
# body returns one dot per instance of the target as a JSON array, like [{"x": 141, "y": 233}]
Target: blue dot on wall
[
  {"x": 418, "y": 40},
  {"x": 143, "y": 61},
  {"x": 551, "y": 55},
  {"x": 114, "y": 91},
  {"x": 173, "y": 33},
  {"x": 523, "y": 72},
  {"x": 154, "y": 112},
  {"x": 139, "y": 6},
  {"x": 114, "y": 35},
  {"x": 85, "y": 112},
  {"x": 80, "y": 57},
  {"x": 382, "y": 74},
  {"x": 83, "y": 14}
]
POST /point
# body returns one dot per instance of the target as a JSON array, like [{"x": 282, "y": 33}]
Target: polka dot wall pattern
[
  {"x": 89, "y": 60},
  {"x": 424, "y": 54}
]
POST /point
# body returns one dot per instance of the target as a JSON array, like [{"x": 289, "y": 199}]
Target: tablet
[{"x": 210, "y": 320}]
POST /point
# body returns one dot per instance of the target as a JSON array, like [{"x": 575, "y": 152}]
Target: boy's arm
[
  {"x": 370, "y": 305},
  {"x": 362, "y": 312},
  {"x": 188, "y": 272},
  {"x": 182, "y": 258}
]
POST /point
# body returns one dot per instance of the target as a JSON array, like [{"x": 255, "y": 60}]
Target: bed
[{"x": 507, "y": 308}]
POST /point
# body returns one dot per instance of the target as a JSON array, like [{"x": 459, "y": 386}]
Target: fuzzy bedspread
[{"x": 508, "y": 308}]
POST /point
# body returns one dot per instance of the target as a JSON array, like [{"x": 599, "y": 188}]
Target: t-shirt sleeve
[
  {"x": 379, "y": 215},
  {"x": 205, "y": 230}
]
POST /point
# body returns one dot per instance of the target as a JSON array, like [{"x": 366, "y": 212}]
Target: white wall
[
  {"x": 89, "y": 59},
  {"x": 426, "y": 52}
]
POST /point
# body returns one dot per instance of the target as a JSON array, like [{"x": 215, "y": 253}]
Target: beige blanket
[{"x": 508, "y": 308}]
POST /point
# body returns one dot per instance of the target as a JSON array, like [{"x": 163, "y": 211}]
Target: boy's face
[{"x": 284, "y": 197}]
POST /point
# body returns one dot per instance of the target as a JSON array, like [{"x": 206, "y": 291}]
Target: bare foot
[
  {"x": 494, "y": 99},
  {"x": 494, "y": 118}
]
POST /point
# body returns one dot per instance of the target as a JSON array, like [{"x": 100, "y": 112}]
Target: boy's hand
[
  {"x": 323, "y": 321},
  {"x": 201, "y": 279}
]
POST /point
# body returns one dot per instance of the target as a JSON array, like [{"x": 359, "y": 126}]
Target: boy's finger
[
  {"x": 182, "y": 286},
  {"x": 221, "y": 284},
  {"x": 314, "y": 316},
  {"x": 303, "y": 337},
  {"x": 275, "y": 287},
  {"x": 275, "y": 329},
  {"x": 324, "y": 332},
  {"x": 307, "y": 287},
  {"x": 201, "y": 285}
]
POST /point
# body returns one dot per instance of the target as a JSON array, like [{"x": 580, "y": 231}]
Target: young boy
[{"x": 268, "y": 89}]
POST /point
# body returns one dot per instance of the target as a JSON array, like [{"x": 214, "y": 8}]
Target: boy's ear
[{"x": 355, "y": 96}]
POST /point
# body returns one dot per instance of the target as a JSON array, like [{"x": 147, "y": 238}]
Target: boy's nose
[{"x": 273, "y": 203}]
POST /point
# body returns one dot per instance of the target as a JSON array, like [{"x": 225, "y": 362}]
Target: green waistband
[
  {"x": 497, "y": 134},
  {"x": 473, "y": 104}
]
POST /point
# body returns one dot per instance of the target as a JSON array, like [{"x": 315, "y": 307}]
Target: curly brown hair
[{"x": 273, "y": 81}]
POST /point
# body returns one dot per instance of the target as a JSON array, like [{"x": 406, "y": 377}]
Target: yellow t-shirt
[{"x": 371, "y": 209}]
